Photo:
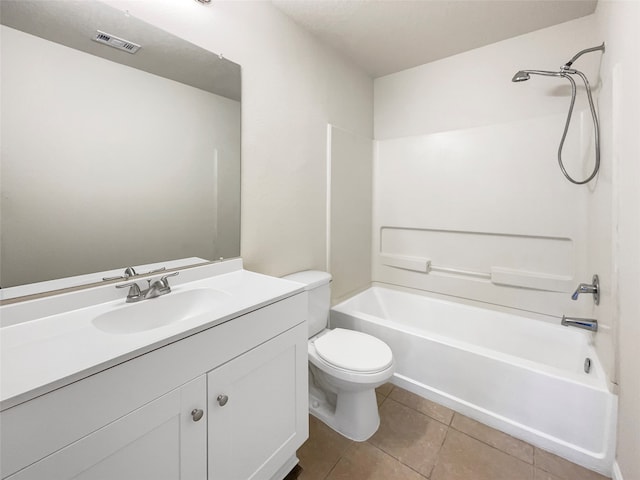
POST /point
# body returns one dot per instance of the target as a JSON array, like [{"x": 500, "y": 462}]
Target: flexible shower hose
[{"x": 596, "y": 127}]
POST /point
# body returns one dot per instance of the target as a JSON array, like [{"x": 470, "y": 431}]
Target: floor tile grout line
[
  {"x": 332, "y": 468},
  {"x": 338, "y": 460},
  {"x": 387, "y": 395},
  {"x": 562, "y": 477},
  {"x": 390, "y": 454},
  {"x": 398, "y": 460},
  {"x": 439, "y": 447},
  {"x": 437, "y": 456},
  {"x": 415, "y": 409},
  {"x": 499, "y": 449},
  {"x": 421, "y": 413}
]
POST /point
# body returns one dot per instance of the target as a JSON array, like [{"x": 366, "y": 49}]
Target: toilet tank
[{"x": 319, "y": 293}]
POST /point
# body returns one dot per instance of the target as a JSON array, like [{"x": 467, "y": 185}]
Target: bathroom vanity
[{"x": 216, "y": 388}]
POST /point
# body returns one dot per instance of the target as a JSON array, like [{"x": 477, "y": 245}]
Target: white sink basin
[{"x": 161, "y": 311}]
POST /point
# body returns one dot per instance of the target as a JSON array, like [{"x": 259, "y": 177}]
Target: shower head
[
  {"x": 524, "y": 75},
  {"x": 521, "y": 76}
]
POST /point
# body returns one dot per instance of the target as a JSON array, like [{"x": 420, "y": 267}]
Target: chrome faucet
[
  {"x": 593, "y": 287},
  {"x": 585, "y": 323},
  {"x": 155, "y": 289},
  {"x": 159, "y": 287}
]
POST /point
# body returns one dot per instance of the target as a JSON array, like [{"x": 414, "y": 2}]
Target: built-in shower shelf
[
  {"x": 533, "y": 280},
  {"x": 416, "y": 264},
  {"x": 497, "y": 275}
]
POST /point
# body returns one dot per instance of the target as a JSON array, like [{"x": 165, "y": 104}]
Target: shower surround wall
[{"x": 466, "y": 177}]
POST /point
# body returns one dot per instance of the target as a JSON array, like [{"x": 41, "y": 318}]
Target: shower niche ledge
[{"x": 183, "y": 399}]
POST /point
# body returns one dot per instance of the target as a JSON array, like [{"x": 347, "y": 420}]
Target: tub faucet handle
[{"x": 593, "y": 288}]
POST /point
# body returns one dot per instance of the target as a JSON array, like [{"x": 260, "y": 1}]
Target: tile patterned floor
[{"x": 418, "y": 440}]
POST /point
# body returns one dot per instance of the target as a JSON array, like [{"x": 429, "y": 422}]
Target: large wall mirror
[{"x": 112, "y": 158}]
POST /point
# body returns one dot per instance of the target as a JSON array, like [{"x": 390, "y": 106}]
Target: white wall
[
  {"x": 620, "y": 105},
  {"x": 349, "y": 222},
  {"x": 466, "y": 174},
  {"x": 292, "y": 88},
  {"x": 80, "y": 133},
  {"x": 474, "y": 88}
]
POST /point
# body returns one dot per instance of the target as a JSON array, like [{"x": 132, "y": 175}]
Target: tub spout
[{"x": 586, "y": 323}]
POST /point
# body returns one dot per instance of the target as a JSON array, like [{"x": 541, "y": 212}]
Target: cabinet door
[
  {"x": 158, "y": 441},
  {"x": 258, "y": 406}
]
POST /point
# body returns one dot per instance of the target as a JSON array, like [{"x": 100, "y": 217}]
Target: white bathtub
[{"x": 520, "y": 375}]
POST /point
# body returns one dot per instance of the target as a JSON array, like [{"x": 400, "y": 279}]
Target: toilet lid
[{"x": 356, "y": 351}]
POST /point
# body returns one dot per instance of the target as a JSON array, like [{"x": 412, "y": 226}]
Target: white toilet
[{"x": 345, "y": 366}]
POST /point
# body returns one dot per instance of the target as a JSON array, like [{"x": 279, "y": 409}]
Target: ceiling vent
[{"x": 116, "y": 42}]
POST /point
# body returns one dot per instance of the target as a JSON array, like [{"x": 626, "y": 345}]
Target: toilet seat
[{"x": 353, "y": 351}]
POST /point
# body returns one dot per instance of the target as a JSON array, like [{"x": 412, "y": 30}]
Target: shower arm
[{"x": 580, "y": 53}]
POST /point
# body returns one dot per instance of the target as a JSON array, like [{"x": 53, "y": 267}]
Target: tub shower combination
[
  {"x": 515, "y": 371},
  {"x": 523, "y": 376}
]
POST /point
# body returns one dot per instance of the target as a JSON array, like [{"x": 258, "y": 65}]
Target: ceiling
[
  {"x": 386, "y": 36},
  {"x": 74, "y": 23}
]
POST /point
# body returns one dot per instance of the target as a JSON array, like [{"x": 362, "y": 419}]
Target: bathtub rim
[{"x": 547, "y": 318}]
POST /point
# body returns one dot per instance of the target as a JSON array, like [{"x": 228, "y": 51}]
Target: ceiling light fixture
[{"x": 204, "y": 2}]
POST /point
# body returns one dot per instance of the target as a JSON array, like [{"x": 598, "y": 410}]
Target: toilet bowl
[{"x": 345, "y": 366}]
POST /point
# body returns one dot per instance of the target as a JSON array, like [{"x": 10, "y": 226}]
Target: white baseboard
[{"x": 616, "y": 474}]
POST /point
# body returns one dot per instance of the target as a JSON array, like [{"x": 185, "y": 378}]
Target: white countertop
[{"x": 41, "y": 353}]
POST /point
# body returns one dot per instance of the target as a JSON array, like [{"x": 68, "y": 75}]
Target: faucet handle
[
  {"x": 593, "y": 288},
  {"x": 134, "y": 291},
  {"x": 128, "y": 273},
  {"x": 161, "y": 269},
  {"x": 119, "y": 277},
  {"x": 164, "y": 280},
  {"x": 133, "y": 285}
]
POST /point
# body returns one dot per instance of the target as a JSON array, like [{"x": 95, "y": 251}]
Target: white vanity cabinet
[
  {"x": 141, "y": 419},
  {"x": 159, "y": 441},
  {"x": 253, "y": 411}
]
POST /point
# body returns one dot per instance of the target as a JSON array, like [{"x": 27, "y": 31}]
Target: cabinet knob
[
  {"x": 197, "y": 414},
  {"x": 222, "y": 400}
]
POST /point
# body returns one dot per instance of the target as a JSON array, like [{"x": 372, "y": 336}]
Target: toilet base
[{"x": 355, "y": 414}]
